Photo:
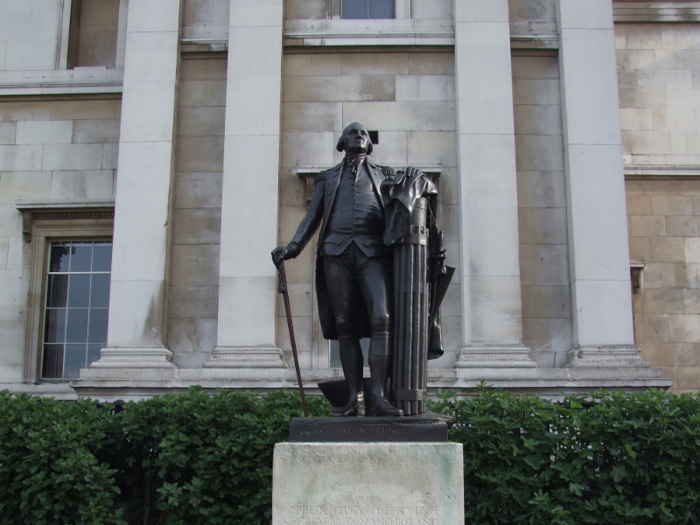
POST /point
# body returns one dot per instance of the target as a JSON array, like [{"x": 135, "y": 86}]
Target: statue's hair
[{"x": 341, "y": 141}]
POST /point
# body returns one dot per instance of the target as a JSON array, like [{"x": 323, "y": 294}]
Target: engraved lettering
[
  {"x": 378, "y": 429},
  {"x": 387, "y": 515}
]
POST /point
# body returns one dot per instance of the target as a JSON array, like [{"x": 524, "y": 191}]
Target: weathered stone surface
[{"x": 391, "y": 483}]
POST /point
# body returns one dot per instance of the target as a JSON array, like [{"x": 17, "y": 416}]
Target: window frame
[
  {"x": 402, "y": 11},
  {"x": 367, "y": 3},
  {"x": 44, "y": 225},
  {"x": 69, "y": 29}
]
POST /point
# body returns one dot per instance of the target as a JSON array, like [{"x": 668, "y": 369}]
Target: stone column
[
  {"x": 137, "y": 305},
  {"x": 249, "y": 210},
  {"x": 121, "y": 33},
  {"x": 491, "y": 296},
  {"x": 599, "y": 254}
]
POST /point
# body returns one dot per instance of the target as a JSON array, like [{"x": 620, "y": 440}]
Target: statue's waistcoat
[{"x": 357, "y": 216}]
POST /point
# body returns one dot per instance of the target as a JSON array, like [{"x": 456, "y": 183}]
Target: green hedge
[
  {"x": 620, "y": 459},
  {"x": 200, "y": 459},
  {"x": 178, "y": 459}
]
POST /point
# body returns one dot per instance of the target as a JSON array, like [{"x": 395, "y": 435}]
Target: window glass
[
  {"x": 102, "y": 257},
  {"x": 78, "y": 290},
  {"x": 76, "y": 309},
  {"x": 57, "y": 291},
  {"x": 99, "y": 291},
  {"x": 363, "y": 9},
  {"x": 81, "y": 258},
  {"x": 381, "y": 9},
  {"x": 355, "y": 9},
  {"x": 60, "y": 257}
]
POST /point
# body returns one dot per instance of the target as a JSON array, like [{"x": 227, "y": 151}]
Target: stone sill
[
  {"x": 61, "y": 391},
  {"x": 553, "y": 384},
  {"x": 626, "y": 11},
  {"x": 81, "y": 80},
  {"x": 68, "y": 205},
  {"x": 129, "y": 384},
  {"x": 396, "y": 32},
  {"x": 665, "y": 172},
  {"x": 518, "y": 42}
]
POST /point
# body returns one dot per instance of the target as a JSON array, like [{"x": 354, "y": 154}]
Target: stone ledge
[
  {"x": 549, "y": 383},
  {"x": 78, "y": 81},
  {"x": 641, "y": 12},
  {"x": 636, "y": 172},
  {"x": 61, "y": 391}
]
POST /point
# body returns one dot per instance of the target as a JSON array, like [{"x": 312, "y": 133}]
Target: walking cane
[{"x": 282, "y": 288}]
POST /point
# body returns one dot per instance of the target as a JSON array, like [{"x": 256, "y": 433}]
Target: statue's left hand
[{"x": 412, "y": 172}]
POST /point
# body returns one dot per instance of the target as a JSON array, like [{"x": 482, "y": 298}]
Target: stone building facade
[{"x": 153, "y": 152}]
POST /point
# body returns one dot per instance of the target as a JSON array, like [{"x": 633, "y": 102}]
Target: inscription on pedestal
[
  {"x": 385, "y": 515},
  {"x": 368, "y": 484},
  {"x": 348, "y": 515},
  {"x": 373, "y": 430}
]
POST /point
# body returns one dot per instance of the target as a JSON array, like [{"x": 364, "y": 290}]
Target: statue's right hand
[
  {"x": 283, "y": 253},
  {"x": 278, "y": 255}
]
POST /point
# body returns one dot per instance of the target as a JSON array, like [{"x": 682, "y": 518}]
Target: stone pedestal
[{"x": 378, "y": 483}]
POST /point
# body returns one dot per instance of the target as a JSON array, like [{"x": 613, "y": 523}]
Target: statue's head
[{"x": 355, "y": 139}]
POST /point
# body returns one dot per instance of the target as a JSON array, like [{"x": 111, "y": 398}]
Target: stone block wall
[
  {"x": 664, "y": 225},
  {"x": 658, "y": 68},
  {"x": 50, "y": 151},
  {"x": 529, "y": 17},
  {"x": 194, "y": 283},
  {"x": 544, "y": 251},
  {"x": 409, "y": 99},
  {"x": 97, "y": 43},
  {"x": 205, "y": 19},
  {"x": 659, "y": 76}
]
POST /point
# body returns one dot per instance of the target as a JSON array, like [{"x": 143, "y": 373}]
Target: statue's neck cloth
[{"x": 354, "y": 160}]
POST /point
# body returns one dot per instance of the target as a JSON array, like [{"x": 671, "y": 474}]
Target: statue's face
[{"x": 357, "y": 140}]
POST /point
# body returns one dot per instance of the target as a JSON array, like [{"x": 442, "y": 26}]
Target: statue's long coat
[{"x": 325, "y": 190}]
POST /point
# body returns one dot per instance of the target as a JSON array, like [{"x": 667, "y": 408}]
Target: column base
[
  {"x": 606, "y": 357},
  {"x": 246, "y": 357},
  {"x": 139, "y": 357},
  {"x": 496, "y": 356}
]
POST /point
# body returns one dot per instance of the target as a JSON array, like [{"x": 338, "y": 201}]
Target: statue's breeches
[{"x": 353, "y": 279}]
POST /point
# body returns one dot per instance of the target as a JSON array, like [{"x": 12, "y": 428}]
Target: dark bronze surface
[
  {"x": 365, "y": 214},
  {"x": 424, "y": 428}
]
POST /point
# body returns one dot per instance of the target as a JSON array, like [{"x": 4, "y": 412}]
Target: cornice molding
[
  {"x": 661, "y": 172},
  {"x": 629, "y": 11},
  {"x": 78, "y": 81},
  {"x": 61, "y": 211}
]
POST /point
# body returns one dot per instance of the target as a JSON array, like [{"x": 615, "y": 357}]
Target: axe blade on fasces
[
  {"x": 282, "y": 288},
  {"x": 443, "y": 282}
]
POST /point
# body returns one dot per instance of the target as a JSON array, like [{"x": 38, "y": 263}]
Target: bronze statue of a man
[{"x": 353, "y": 276}]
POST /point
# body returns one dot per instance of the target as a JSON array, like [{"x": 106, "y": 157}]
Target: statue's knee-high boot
[
  {"x": 352, "y": 362},
  {"x": 379, "y": 366}
]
